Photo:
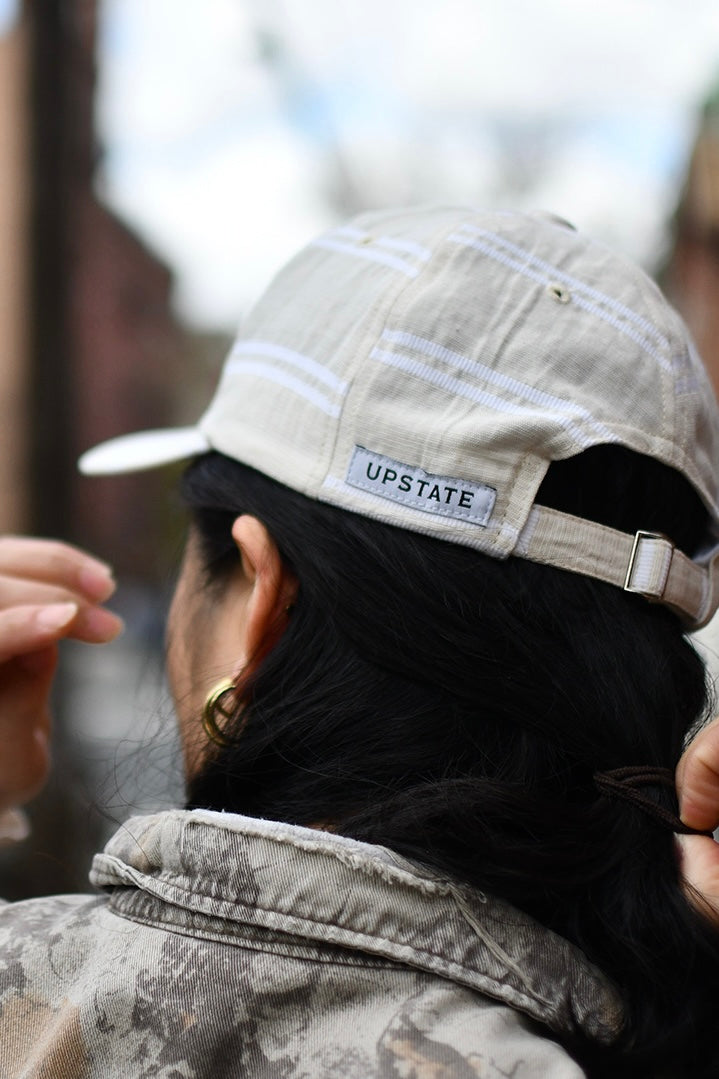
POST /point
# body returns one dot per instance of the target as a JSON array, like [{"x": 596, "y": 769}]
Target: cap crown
[{"x": 425, "y": 366}]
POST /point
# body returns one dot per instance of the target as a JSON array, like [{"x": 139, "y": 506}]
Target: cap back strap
[{"x": 647, "y": 562}]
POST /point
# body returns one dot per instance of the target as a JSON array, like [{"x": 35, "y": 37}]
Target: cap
[{"x": 424, "y": 367}]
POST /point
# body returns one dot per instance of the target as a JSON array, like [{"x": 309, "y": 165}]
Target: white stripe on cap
[
  {"x": 422, "y": 253},
  {"x": 460, "y": 388},
  {"x": 290, "y": 382},
  {"x": 409, "y": 247},
  {"x": 524, "y": 263},
  {"x": 573, "y": 282},
  {"x": 370, "y": 252},
  {"x": 286, "y": 355},
  {"x": 495, "y": 378}
]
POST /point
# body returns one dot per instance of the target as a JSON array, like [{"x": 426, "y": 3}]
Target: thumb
[
  {"x": 25, "y": 721},
  {"x": 697, "y": 780},
  {"x": 699, "y": 864},
  {"x": 26, "y": 629}
]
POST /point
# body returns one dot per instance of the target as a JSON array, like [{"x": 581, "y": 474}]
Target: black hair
[{"x": 455, "y": 708}]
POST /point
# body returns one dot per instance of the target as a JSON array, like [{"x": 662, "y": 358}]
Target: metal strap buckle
[{"x": 632, "y": 559}]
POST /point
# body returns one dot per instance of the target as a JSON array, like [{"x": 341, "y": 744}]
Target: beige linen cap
[{"x": 424, "y": 367}]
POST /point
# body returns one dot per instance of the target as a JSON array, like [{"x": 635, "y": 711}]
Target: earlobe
[{"x": 272, "y": 589}]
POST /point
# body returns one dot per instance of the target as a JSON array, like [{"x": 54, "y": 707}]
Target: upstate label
[{"x": 412, "y": 486}]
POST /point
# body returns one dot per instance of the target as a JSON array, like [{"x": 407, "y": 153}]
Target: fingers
[
  {"x": 28, "y": 628},
  {"x": 48, "y": 591},
  {"x": 14, "y": 826},
  {"x": 58, "y": 564},
  {"x": 25, "y": 729},
  {"x": 24, "y": 772},
  {"x": 28, "y": 657},
  {"x": 95, "y": 625},
  {"x": 699, "y": 863},
  {"x": 63, "y": 584},
  {"x": 698, "y": 780},
  {"x": 16, "y": 591}
]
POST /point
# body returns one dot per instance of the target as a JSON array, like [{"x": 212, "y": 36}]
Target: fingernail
[
  {"x": 97, "y": 581},
  {"x": 98, "y": 625},
  {"x": 14, "y": 826},
  {"x": 680, "y": 846},
  {"x": 56, "y": 615}
]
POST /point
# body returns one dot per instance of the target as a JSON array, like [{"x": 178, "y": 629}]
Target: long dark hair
[{"x": 455, "y": 708}]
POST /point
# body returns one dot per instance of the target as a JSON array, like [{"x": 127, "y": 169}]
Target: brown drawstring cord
[{"x": 626, "y": 784}]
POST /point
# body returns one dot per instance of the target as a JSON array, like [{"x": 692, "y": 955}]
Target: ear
[{"x": 271, "y": 590}]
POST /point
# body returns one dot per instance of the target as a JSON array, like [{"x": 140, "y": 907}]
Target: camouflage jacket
[{"x": 222, "y": 946}]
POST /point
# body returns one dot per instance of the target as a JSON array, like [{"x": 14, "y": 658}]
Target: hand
[
  {"x": 48, "y": 590},
  {"x": 698, "y": 790}
]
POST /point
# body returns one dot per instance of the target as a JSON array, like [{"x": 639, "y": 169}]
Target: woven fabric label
[{"x": 412, "y": 486}]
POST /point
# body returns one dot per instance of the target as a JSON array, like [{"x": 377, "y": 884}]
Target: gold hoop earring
[{"x": 213, "y": 705}]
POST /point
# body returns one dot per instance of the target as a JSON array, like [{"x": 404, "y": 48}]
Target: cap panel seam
[{"x": 350, "y": 407}]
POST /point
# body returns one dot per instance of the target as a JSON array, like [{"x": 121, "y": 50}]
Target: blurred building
[
  {"x": 105, "y": 344},
  {"x": 14, "y": 182},
  {"x": 691, "y": 274},
  {"x": 90, "y": 344},
  {"x": 690, "y": 278},
  {"x": 90, "y": 347}
]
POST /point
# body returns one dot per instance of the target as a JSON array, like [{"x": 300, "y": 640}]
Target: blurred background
[{"x": 161, "y": 158}]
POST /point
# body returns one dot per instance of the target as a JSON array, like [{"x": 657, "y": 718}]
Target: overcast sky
[{"x": 236, "y": 129}]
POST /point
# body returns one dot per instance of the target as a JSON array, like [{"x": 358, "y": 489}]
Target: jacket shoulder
[{"x": 447, "y": 1031}]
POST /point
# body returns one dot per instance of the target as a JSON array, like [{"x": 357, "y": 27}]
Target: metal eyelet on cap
[{"x": 559, "y": 292}]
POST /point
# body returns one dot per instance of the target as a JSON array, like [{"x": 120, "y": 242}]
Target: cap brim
[{"x": 146, "y": 449}]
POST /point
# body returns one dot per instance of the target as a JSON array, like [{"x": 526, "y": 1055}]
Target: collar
[{"x": 232, "y": 872}]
